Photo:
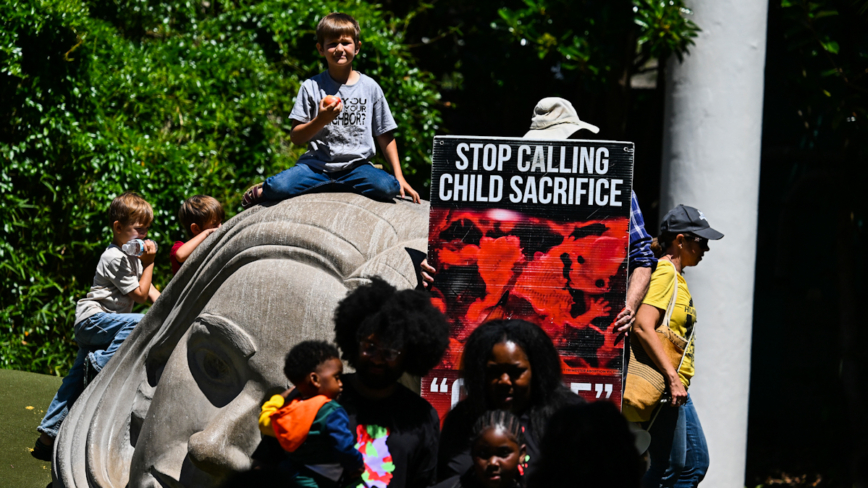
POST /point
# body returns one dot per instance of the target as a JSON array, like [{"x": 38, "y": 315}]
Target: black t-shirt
[
  {"x": 396, "y": 435},
  {"x": 467, "y": 480}
]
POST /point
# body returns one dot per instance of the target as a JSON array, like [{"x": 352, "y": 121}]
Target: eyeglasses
[{"x": 370, "y": 349}]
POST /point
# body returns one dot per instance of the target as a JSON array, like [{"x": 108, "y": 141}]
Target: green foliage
[
  {"x": 557, "y": 28},
  {"x": 166, "y": 98},
  {"x": 828, "y": 69}
]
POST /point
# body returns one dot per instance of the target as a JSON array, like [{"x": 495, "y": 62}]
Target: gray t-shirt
[
  {"x": 116, "y": 275},
  {"x": 348, "y": 139}
]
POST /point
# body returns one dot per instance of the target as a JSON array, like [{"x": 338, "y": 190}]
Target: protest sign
[{"x": 535, "y": 230}]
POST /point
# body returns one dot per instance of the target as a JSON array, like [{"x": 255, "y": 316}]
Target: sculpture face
[
  {"x": 178, "y": 404},
  {"x": 202, "y": 422}
]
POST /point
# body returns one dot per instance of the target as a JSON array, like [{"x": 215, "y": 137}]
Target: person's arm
[
  {"x": 636, "y": 291},
  {"x": 187, "y": 249},
  {"x": 143, "y": 292},
  {"x": 337, "y": 427},
  {"x": 389, "y": 147},
  {"x": 645, "y": 333},
  {"x": 641, "y": 263},
  {"x": 153, "y": 294},
  {"x": 303, "y": 132}
]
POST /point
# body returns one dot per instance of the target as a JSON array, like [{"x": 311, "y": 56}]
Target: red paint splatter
[{"x": 557, "y": 275}]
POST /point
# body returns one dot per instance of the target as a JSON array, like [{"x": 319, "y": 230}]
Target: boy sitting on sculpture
[
  {"x": 200, "y": 216},
  {"x": 313, "y": 429},
  {"x": 103, "y": 318},
  {"x": 338, "y": 114}
]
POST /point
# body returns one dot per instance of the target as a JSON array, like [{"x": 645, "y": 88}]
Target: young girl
[{"x": 497, "y": 449}]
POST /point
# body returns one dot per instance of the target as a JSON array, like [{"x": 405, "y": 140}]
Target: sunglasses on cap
[{"x": 703, "y": 242}]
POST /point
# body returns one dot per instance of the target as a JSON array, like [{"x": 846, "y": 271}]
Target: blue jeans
[
  {"x": 363, "y": 178},
  {"x": 679, "y": 454},
  {"x": 98, "y": 337}
]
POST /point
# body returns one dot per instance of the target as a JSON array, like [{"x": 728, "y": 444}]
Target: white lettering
[
  {"x": 615, "y": 193},
  {"x": 579, "y": 190},
  {"x": 602, "y": 198},
  {"x": 539, "y": 160},
  {"x": 515, "y": 196},
  {"x": 479, "y": 197},
  {"x": 602, "y": 161},
  {"x": 462, "y": 187},
  {"x": 587, "y": 161},
  {"x": 445, "y": 193},
  {"x": 476, "y": 147},
  {"x": 462, "y": 165},
  {"x": 504, "y": 152},
  {"x": 560, "y": 189},
  {"x": 489, "y": 163},
  {"x": 530, "y": 190},
  {"x": 545, "y": 196},
  {"x": 492, "y": 196},
  {"x": 523, "y": 166}
]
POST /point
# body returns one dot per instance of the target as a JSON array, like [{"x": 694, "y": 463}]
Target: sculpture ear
[
  {"x": 157, "y": 358},
  {"x": 141, "y": 405}
]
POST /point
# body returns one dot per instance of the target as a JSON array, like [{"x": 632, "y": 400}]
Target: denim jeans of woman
[{"x": 679, "y": 454}]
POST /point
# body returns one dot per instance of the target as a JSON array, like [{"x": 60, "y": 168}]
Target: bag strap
[
  {"x": 666, "y": 321},
  {"x": 671, "y": 307}
]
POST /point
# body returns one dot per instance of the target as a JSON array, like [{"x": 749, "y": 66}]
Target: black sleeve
[
  {"x": 453, "y": 457},
  {"x": 425, "y": 473}
]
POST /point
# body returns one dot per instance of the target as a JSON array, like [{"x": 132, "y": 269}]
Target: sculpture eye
[
  {"x": 214, "y": 368},
  {"x": 215, "y": 372}
]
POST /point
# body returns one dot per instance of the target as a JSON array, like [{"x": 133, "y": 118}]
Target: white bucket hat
[{"x": 555, "y": 118}]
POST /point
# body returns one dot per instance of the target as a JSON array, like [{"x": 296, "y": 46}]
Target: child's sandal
[{"x": 252, "y": 196}]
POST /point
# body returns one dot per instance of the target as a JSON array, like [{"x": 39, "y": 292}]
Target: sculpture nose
[{"x": 223, "y": 447}]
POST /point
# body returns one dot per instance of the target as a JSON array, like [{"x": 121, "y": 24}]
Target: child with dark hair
[
  {"x": 311, "y": 428},
  {"x": 588, "y": 446},
  {"x": 498, "y": 450},
  {"x": 199, "y": 215},
  {"x": 384, "y": 333}
]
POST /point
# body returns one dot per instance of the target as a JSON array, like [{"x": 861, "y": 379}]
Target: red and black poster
[{"x": 535, "y": 230}]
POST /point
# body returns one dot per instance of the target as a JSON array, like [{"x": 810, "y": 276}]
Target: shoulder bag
[{"x": 645, "y": 384}]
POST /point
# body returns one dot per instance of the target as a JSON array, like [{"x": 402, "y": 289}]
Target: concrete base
[{"x": 23, "y": 400}]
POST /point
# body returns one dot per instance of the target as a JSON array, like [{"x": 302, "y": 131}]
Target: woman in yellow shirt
[{"x": 679, "y": 454}]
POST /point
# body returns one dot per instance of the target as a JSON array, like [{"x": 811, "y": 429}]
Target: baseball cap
[
  {"x": 683, "y": 219},
  {"x": 555, "y": 118}
]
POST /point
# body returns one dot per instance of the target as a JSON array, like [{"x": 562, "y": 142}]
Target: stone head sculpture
[{"x": 177, "y": 405}]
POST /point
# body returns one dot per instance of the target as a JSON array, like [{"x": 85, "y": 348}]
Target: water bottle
[{"x": 135, "y": 247}]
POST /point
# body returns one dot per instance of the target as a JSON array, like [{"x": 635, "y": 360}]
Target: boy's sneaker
[
  {"x": 42, "y": 451},
  {"x": 89, "y": 372}
]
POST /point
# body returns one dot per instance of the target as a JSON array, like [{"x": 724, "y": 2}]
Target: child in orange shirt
[{"x": 313, "y": 429}]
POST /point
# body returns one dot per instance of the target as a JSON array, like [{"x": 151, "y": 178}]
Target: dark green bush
[{"x": 166, "y": 98}]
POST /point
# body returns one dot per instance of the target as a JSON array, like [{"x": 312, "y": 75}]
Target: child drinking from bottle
[{"x": 103, "y": 318}]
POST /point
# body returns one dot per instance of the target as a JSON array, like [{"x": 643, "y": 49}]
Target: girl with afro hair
[{"x": 384, "y": 333}]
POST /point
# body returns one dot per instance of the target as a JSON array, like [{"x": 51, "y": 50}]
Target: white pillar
[{"x": 711, "y": 160}]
